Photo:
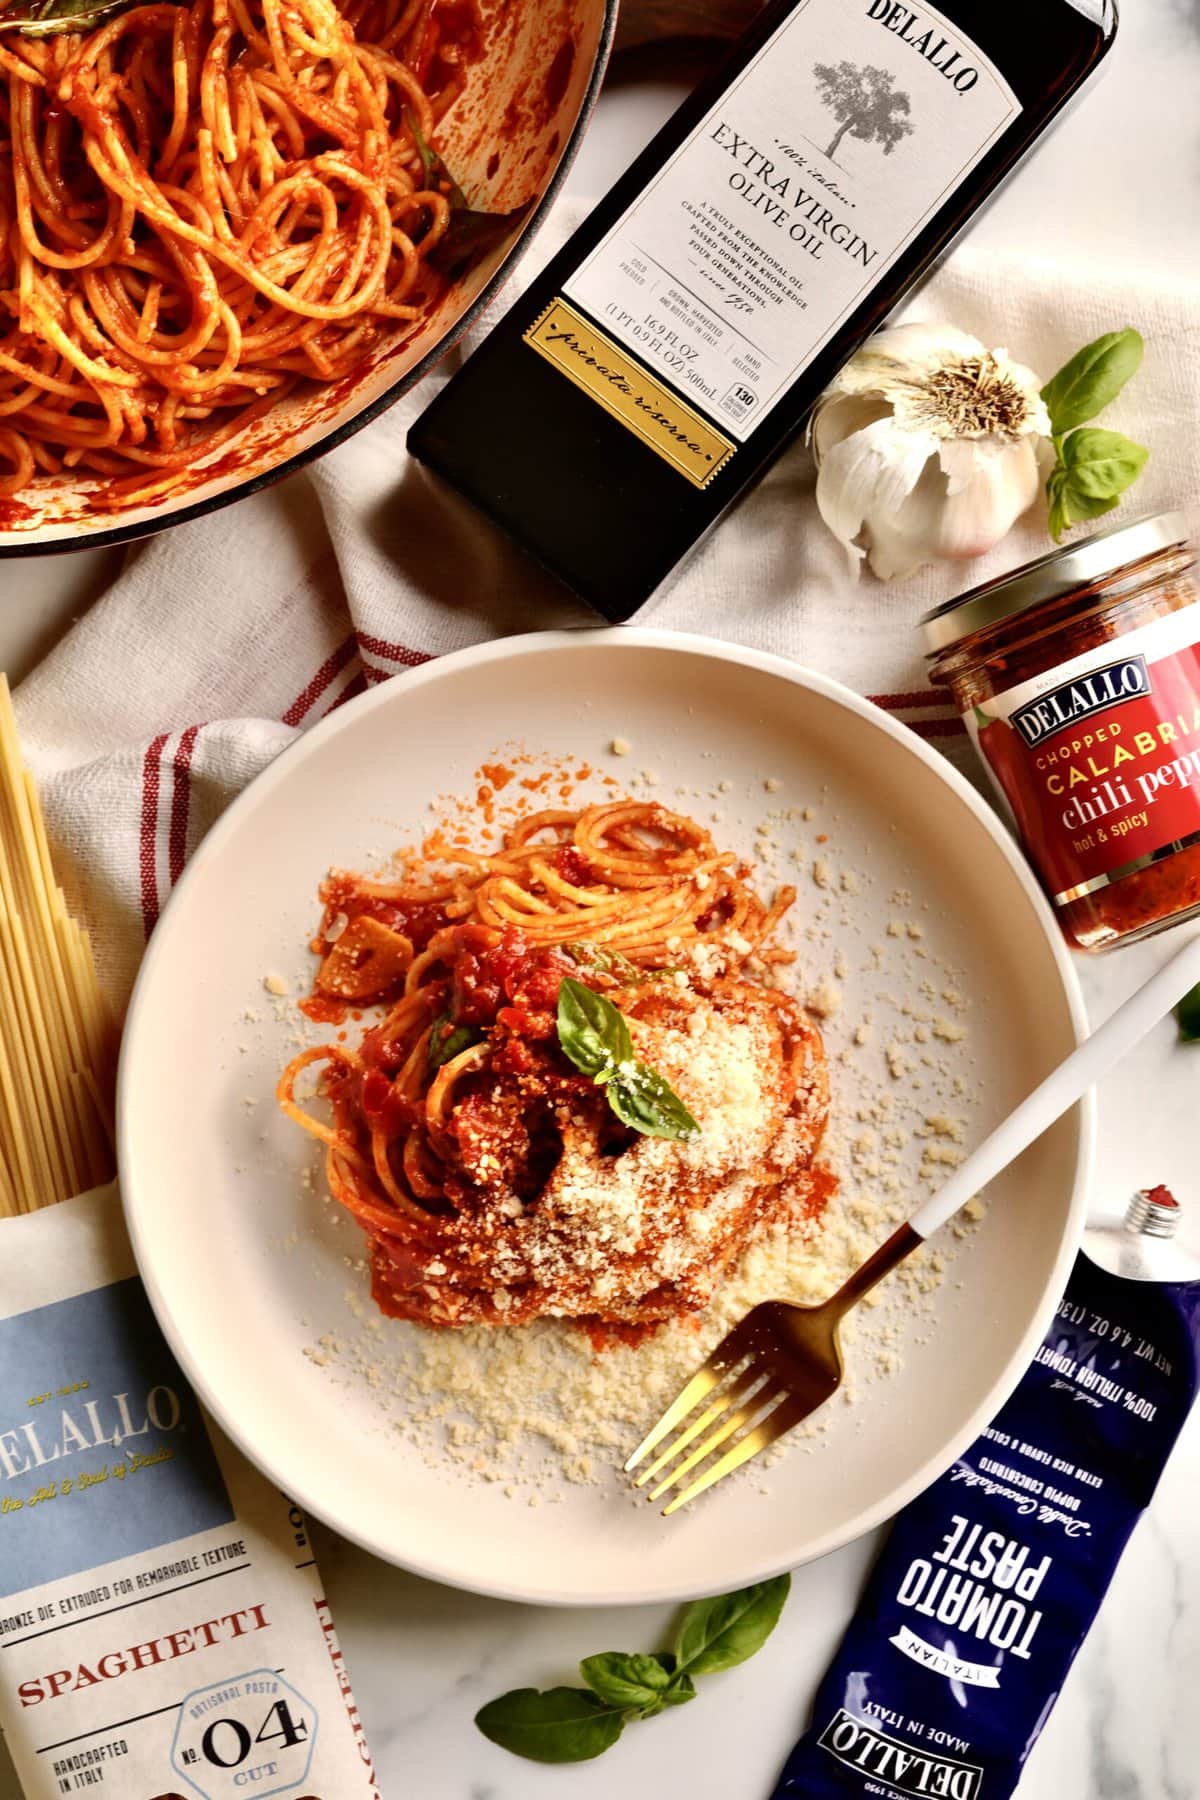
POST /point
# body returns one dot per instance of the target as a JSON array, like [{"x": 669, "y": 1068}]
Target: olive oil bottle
[{"x": 677, "y": 343}]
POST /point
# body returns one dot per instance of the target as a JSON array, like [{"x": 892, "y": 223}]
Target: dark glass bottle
[{"x": 676, "y": 344}]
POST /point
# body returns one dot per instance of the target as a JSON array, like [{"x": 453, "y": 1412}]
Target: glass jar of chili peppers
[{"x": 1078, "y": 678}]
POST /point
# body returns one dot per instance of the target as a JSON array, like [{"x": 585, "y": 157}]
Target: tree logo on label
[{"x": 866, "y": 104}]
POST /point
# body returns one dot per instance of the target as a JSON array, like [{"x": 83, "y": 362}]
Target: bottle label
[
  {"x": 1099, "y": 758},
  {"x": 819, "y": 164},
  {"x": 618, "y": 383}
]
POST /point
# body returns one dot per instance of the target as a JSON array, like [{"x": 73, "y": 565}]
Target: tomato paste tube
[{"x": 990, "y": 1580}]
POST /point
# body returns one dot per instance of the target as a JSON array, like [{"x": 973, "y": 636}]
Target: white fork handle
[{"x": 1060, "y": 1090}]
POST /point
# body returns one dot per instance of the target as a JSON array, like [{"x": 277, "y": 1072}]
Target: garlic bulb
[{"x": 927, "y": 446}]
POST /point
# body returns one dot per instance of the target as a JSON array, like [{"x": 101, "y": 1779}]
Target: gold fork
[{"x": 782, "y": 1361}]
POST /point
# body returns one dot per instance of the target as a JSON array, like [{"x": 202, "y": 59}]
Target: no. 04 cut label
[{"x": 254, "y": 1734}]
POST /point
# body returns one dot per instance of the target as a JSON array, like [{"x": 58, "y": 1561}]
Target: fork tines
[{"x": 740, "y": 1392}]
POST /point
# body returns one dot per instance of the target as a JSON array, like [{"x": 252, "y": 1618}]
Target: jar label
[
  {"x": 791, "y": 199},
  {"x": 1099, "y": 757}
]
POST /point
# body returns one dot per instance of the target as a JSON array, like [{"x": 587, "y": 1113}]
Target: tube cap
[{"x": 1153, "y": 1212}]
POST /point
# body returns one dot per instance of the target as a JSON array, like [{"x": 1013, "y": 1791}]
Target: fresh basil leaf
[
  {"x": 595, "y": 1035},
  {"x": 46, "y": 18},
  {"x": 435, "y": 171},
  {"x": 448, "y": 1040},
  {"x": 1082, "y": 507},
  {"x": 1093, "y": 377},
  {"x": 605, "y": 962},
  {"x": 1070, "y": 507},
  {"x": 625, "y": 1680},
  {"x": 678, "y": 1689},
  {"x": 561, "y": 1725},
  {"x": 592, "y": 1031},
  {"x": 612, "y": 962},
  {"x": 1059, "y": 519},
  {"x": 640, "y": 1097},
  {"x": 1101, "y": 464},
  {"x": 681, "y": 1690},
  {"x": 470, "y": 234},
  {"x": 1188, "y": 1015},
  {"x": 718, "y": 1634},
  {"x": 1095, "y": 469}
]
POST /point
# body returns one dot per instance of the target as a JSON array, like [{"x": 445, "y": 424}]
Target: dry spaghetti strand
[
  {"x": 202, "y": 206},
  {"x": 57, "y": 1051}
]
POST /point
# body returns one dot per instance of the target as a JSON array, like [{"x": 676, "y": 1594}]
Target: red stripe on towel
[
  {"x": 936, "y": 728},
  {"x": 397, "y": 653},
  {"x": 181, "y": 800},
  {"x": 148, "y": 838},
  {"x": 328, "y": 672},
  {"x": 906, "y": 702}
]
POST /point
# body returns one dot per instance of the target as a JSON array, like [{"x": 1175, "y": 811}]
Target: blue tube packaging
[{"x": 990, "y": 1580}]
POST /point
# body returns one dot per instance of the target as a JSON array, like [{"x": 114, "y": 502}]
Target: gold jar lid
[{"x": 1061, "y": 572}]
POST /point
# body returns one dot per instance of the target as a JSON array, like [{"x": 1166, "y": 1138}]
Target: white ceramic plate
[{"x": 212, "y": 1185}]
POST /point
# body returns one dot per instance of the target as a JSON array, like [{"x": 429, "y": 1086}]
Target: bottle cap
[
  {"x": 1153, "y": 1212},
  {"x": 1051, "y": 576}
]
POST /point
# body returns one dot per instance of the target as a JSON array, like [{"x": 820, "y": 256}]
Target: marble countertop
[{"x": 1120, "y": 179}]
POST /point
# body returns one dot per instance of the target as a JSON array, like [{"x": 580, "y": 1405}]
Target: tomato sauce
[
  {"x": 573, "y": 867},
  {"x": 417, "y": 920}
]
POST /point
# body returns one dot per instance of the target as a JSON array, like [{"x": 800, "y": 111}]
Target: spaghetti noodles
[
  {"x": 493, "y": 1180},
  {"x": 56, "y": 1046},
  {"x": 201, "y": 206}
]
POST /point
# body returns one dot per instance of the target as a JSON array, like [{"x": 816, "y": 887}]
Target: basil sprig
[
  {"x": 1188, "y": 1015},
  {"x": 595, "y": 1035},
  {"x": 470, "y": 233},
  {"x": 645, "y": 1684},
  {"x": 612, "y": 962},
  {"x": 1092, "y": 468},
  {"x": 448, "y": 1040},
  {"x": 564, "y": 1724}
]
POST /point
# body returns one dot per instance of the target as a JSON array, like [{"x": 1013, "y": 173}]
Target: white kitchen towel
[{"x": 223, "y": 639}]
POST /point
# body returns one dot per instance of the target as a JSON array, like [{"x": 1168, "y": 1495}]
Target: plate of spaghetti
[
  {"x": 498, "y": 1180},
  {"x": 514, "y": 1075},
  {"x": 236, "y": 230}
]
